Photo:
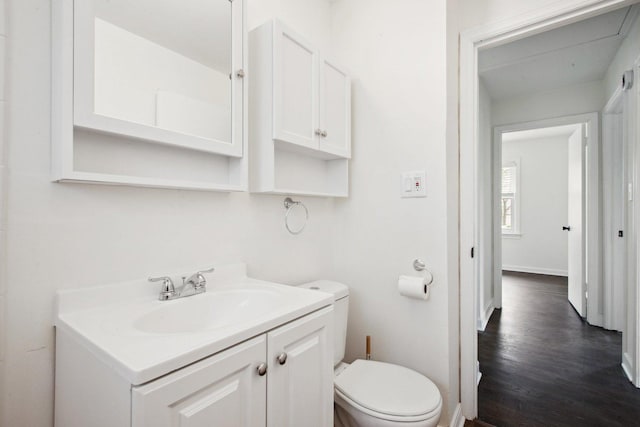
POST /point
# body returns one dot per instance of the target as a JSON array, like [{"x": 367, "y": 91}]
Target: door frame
[
  {"x": 591, "y": 228},
  {"x": 471, "y": 41}
]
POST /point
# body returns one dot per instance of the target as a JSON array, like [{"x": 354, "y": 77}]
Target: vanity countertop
[{"x": 142, "y": 338}]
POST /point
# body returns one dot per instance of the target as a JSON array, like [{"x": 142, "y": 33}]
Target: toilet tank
[{"x": 340, "y": 313}]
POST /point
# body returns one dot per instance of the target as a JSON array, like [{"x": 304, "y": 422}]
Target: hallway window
[{"x": 509, "y": 200}]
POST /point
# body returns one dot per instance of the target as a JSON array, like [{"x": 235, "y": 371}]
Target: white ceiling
[
  {"x": 197, "y": 29},
  {"x": 576, "y": 53},
  {"x": 539, "y": 133}
]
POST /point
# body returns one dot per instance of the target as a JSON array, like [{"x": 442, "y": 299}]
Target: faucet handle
[
  {"x": 167, "y": 291},
  {"x": 202, "y": 281},
  {"x": 197, "y": 280}
]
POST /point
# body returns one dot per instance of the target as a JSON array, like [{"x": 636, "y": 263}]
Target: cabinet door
[
  {"x": 335, "y": 110},
  {"x": 295, "y": 88},
  {"x": 300, "y": 388},
  {"x": 224, "y": 390}
]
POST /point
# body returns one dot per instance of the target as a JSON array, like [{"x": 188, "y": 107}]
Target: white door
[
  {"x": 335, "y": 110},
  {"x": 300, "y": 386},
  {"x": 575, "y": 222},
  {"x": 224, "y": 390},
  {"x": 295, "y": 88}
]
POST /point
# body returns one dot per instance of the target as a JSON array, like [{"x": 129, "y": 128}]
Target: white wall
[
  {"x": 399, "y": 118},
  {"x": 3, "y": 205},
  {"x": 628, "y": 52},
  {"x": 310, "y": 17},
  {"x": 614, "y": 191},
  {"x": 479, "y": 12},
  {"x": 542, "y": 247},
  {"x": 623, "y": 318},
  {"x": 74, "y": 235},
  {"x": 452, "y": 187},
  {"x": 485, "y": 220},
  {"x": 567, "y": 101}
]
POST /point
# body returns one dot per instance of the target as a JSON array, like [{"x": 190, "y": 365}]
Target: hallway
[{"x": 543, "y": 366}]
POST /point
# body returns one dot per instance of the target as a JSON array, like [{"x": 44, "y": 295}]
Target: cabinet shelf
[
  {"x": 111, "y": 179},
  {"x": 290, "y": 192}
]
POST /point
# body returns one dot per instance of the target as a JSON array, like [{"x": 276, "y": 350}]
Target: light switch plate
[{"x": 413, "y": 184}]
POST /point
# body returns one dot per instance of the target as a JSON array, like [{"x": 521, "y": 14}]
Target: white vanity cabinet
[
  {"x": 222, "y": 390},
  {"x": 229, "y": 388},
  {"x": 300, "y": 115},
  {"x": 299, "y": 391}
]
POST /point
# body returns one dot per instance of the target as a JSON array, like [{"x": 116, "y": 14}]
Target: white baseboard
[
  {"x": 536, "y": 270},
  {"x": 626, "y": 366},
  {"x": 484, "y": 317},
  {"x": 457, "y": 420}
]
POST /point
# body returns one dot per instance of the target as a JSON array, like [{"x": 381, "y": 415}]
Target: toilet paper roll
[{"x": 414, "y": 286}]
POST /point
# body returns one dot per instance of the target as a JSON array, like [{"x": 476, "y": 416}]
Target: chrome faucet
[{"x": 196, "y": 282}]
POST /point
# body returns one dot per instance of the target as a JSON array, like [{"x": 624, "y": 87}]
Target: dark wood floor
[
  {"x": 476, "y": 423},
  {"x": 543, "y": 366}
]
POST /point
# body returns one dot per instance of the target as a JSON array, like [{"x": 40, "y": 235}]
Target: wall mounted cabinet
[
  {"x": 134, "y": 104},
  {"x": 300, "y": 116}
]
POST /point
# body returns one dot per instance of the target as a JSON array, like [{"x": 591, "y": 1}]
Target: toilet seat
[{"x": 388, "y": 391}]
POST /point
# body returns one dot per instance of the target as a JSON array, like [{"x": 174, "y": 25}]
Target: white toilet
[{"x": 375, "y": 394}]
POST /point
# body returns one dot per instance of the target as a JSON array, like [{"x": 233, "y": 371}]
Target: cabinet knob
[
  {"x": 282, "y": 358},
  {"x": 318, "y": 132},
  {"x": 323, "y": 134},
  {"x": 262, "y": 369},
  {"x": 240, "y": 73}
]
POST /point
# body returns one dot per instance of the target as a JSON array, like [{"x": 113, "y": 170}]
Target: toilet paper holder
[{"x": 419, "y": 265}]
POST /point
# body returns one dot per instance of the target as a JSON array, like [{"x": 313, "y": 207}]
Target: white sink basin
[
  {"x": 211, "y": 310},
  {"x": 127, "y": 327}
]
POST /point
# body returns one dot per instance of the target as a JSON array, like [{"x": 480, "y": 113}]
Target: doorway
[
  {"x": 548, "y": 223},
  {"x": 471, "y": 189}
]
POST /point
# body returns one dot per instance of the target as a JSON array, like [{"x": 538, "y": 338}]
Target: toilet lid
[{"x": 388, "y": 389}]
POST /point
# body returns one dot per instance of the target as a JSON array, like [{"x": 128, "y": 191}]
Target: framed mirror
[{"x": 165, "y": 71}]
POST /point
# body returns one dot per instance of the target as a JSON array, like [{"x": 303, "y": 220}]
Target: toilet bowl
[
  {"x": 376, "y": 394},
  {"x": 369, "y": 393}
]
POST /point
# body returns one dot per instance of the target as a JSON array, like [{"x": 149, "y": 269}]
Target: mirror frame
[{"x": 84, "y": 89}]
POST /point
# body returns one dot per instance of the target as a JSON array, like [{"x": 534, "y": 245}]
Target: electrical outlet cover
[{"x": 413, "y": 184}]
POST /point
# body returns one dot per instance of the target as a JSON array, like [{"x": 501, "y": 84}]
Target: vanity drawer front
[{"x": 222, "y": 390}]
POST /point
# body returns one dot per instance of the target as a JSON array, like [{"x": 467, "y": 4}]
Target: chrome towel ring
[{"x": 289, "y": 205}]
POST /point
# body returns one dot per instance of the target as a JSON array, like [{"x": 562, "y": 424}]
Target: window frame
[{"x": 514, "y": 231}]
